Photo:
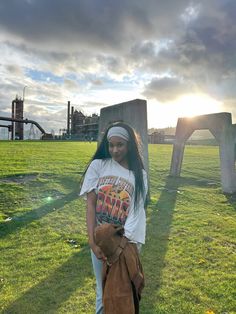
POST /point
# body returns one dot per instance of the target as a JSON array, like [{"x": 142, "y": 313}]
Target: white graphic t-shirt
[{"x": 115, "y": 189}]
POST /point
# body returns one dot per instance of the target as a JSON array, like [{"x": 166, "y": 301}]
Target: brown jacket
[{"x": 123, "y": 278}]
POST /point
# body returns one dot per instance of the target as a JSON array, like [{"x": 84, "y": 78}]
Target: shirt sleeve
[
  {"x": 91, "y": 178},
  {"x": 135, "y": 225}
]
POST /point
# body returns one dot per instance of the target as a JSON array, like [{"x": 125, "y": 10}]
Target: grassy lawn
[{"x": 190, "y": 254}]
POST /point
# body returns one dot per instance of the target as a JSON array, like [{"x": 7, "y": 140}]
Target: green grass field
[{"x": 190, "y": 254}]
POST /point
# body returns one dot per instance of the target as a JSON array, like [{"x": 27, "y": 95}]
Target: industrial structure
[
  {"x": 81, "y": 127},
  {"x": 16, "y": 128},
  {"x": 45, "y": 136}
]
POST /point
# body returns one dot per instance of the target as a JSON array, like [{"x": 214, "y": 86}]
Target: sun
[
  {"x": 161, "y": 115},
  {"x": 196, "y": 104}
]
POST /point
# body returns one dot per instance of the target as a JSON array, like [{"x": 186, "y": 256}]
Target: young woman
[{"x": 115, "y": 184}]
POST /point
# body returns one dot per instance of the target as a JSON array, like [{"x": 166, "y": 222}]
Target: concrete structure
[
  {"x": 221, "y": 127},
  {"x": 17, "y": 113},
  {"x": 134, "y": 113}
]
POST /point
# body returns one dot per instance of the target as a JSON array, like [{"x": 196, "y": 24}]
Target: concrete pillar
[
  {"x": 132, "y": 112},
  {"x": 234, "y": 135},
  {"x": 177, "y": 158},
  {"x": 227, "y": 161},
  {"x": 182, "y": 134}
]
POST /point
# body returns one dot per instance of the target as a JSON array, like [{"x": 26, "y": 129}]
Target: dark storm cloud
[
  {"x": 204, "y": 54},
  {"x": 164, "y": 88},
  {"x": 217, "y": 35},
  {"x": 100, "y": 24}
]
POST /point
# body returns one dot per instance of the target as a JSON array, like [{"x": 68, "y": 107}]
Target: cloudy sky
[{"x": 178, "y": 55}]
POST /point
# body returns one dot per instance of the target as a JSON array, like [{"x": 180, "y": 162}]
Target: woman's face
[{"x": 118, "y": 148}]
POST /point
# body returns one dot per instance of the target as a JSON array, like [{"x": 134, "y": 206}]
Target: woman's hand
[{"x": 98, "y": 252}]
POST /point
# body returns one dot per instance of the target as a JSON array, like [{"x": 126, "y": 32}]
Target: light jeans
[{"x": 97, "y": 268}]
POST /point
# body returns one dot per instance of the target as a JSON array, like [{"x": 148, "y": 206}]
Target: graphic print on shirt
[{"x": 113, "y": 201}]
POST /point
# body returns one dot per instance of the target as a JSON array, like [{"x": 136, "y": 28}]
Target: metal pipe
[{"x": 26, "y": 121}]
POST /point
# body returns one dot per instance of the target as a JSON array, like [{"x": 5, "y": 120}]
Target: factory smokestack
[
  {"x": 17, "y": 113},
  {"x": 68, "y": 119}
]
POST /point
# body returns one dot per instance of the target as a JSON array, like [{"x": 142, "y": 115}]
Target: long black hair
[{"x": 134, "y": 159}]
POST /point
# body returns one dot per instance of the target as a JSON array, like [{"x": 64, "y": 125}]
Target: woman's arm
[{"x": 91, "y": 223}]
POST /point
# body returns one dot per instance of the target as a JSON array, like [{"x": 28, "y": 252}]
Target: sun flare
[
  {"x": 196, "y": 104},
  {"x": 161, "y": 115}
]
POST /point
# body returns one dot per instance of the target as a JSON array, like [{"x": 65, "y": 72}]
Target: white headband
[{"x": 118, "y": 131}]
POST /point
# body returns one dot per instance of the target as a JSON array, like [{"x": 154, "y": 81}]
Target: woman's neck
[{"x": 124, "y": 163}]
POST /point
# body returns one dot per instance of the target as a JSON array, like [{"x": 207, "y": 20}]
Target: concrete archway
[{"x": 220, "y": 125}]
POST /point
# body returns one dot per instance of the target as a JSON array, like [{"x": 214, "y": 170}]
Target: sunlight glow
[
  {"x": 161, "y": 115},
  {"x": 198, "y": 104}
]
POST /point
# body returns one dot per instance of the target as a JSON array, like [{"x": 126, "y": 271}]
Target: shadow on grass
[
  {"x": 7, "y": 228},
  {"x": 49, "y": 295},
  {"x": 19, "y": 177},
  {"x": 193, "y": 181},
  {"x": 158, "y": 230},
  {"x": 231, "y": 198}
]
